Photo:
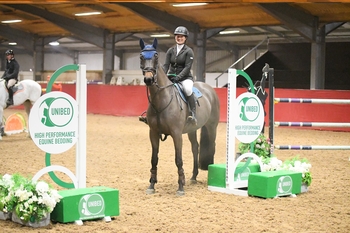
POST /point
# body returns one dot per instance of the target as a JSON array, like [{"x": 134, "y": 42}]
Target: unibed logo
[
  {"x": 53, "y": 122},
  {"x": 249, "y": 109},
  {"x": 242, "y": 175},
  {"x": 249, "y": 118},
  {"x": 91, "y": 206},
  {"x": 56, "y": 112},
  {"x": 284, "y": 185}
]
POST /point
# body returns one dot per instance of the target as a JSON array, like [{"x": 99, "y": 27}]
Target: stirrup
[
  {"x": 143, "y": 119},
  {"x": 9, "y": 102}
]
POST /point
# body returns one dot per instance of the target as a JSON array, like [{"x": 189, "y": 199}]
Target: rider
[
  {"x": 178, "y": 64},
  {"x": 10, "y": 74}
]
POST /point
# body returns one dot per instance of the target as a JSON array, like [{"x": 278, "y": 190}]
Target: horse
[
  {"x": 167, "y": 114},
  {"x": 26, "y": 92}
]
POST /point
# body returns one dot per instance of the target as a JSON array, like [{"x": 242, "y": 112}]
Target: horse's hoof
[
  {"x": 193, "y": 181},
  {"x": 150, "y": 191},
  {"x": 180, "y": 193}
]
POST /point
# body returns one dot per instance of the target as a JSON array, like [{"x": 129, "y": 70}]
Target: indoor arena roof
[{"x": 250, "y": 21}]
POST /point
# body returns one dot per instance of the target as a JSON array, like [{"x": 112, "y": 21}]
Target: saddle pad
[{"x": 195, "y": 91}]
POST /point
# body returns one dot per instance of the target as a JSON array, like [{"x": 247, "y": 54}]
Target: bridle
[
  {"x": 149, "y": 66},
  {"x": 150, "y": 56}
]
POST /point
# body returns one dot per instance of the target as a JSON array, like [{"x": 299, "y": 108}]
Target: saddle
[
  {"x": 195, "y": 91},
  {"x": 15, "y": 88}
]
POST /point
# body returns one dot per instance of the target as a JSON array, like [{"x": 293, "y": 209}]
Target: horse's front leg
[
  {"x": 2, "y": 130},
  {"x": 177, "y": 138},
  {"x": 154, "y": 138},
  {"x": 192, "y": 136}
]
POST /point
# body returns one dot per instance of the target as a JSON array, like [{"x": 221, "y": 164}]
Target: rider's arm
[
  {"x": 15, "y": 72},
  {"x": 167, "y": 61},
  {"x": 187, "y": 66}
]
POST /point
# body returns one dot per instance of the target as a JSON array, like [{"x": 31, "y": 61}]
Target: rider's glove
[{"x": 175, "y": 79}]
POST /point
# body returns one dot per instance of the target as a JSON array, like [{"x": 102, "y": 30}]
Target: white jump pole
[
  {"x": 312, "y": 101},
  {"x": 312, "y": 124},
  {"x": 81, "y": 95},
  {"x": 230, "y": 137}
]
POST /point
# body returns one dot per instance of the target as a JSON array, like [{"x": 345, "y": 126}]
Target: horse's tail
[{"x": 206, "y": 148}]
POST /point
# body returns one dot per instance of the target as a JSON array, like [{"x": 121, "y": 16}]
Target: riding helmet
[
  {"x": 181, "y": 30},
  {"x": 9, "y": 52}
]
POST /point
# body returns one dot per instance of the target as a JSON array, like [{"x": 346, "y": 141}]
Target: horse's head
[{"x": 149, "y": 61}]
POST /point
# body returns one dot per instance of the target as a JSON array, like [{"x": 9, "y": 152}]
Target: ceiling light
[
  {"x": 190, "y": 4},
  {"x": 88, "y": 13},
  {"x": 160, "y": 35},
  {"x": 11, "y": 21},
  {"x": 12, "y": 43},
  {"x": 229, "y": 32},
  {"x": 54, "y": 43}
]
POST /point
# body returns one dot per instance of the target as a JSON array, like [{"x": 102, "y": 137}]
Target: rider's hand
[{"x": 175, "y": 79}]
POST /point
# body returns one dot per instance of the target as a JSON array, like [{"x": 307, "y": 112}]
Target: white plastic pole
[
  {"x": 230, "y": 137},
  {"x": 81, "y": 90}
]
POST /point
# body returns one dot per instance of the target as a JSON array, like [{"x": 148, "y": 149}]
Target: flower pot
[
  {"x": 304, "y": 188},
  {"x": 5, "y": 216},
  {"x": 43, "y": 222}
]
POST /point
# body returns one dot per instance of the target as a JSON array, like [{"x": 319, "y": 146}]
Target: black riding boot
[
  {"x": 10, "y": 99},
  {"x": 192, "y": 107}
]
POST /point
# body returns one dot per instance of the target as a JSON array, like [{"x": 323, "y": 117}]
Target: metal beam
[
  {"x": 163, "y": 19},
  {"x": 121, "y": 36},
  {"x": 60, "y": 49},
  {"x": 85, "y": 32},
  {"x": 318, "y": 61},
  {"x": 20, "y": 37},
  {"x": 332, "y": 26},
  {"x": 297, "y": 20},
  {"x": 201, "y": 57},
  {"x": 213, "y": 31},
  {"x": 108, "y": 58},
  {"x": 225, "y": 46},
  {"x": 38, "y": 59}
]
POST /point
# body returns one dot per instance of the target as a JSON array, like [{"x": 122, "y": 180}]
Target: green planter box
[
  {"x": 217, "y": 173},
  {"x": 85, "y": 204},
  {"x": 274, "y": 183}
]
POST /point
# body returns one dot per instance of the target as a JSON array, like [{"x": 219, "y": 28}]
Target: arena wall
[{"x": 132, "y": 101}]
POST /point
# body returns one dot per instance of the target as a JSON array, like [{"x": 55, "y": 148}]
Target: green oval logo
[{"x": 284, "y": 185}]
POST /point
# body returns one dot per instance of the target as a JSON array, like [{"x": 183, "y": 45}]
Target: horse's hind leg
[
  {"x": 207, "y": 146},
  {"x": 194, "y": 146},
  {"x": 27, "y": 106}
]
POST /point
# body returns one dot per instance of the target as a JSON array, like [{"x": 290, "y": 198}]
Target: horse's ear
[
  {"x": 142, "y": 44},
  {"x": 155, "y": 43}
]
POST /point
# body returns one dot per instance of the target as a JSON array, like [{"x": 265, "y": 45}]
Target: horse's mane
[{"x": 160, "y": 68}]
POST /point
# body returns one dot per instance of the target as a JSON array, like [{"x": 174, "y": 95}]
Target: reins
[{"x": 159, "y": 88}]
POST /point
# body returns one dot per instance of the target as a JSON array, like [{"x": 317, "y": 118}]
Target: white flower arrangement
[
  {"x": 271, "y": 164},
  {"x": 29, "y": 200},
  {"x": 294, "y": 164},
  {"x": 299, "y": 165},
  {"x": 6, "y": 194}
]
